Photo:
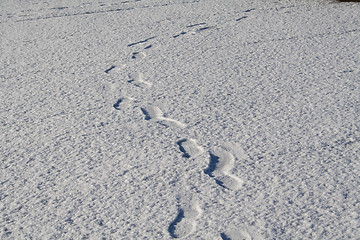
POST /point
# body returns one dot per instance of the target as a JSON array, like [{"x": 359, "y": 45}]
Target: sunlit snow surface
[{"x": 193, "y": 119}]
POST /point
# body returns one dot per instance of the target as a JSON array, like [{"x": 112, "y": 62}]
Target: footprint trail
[{"x": 221, "y": 160}]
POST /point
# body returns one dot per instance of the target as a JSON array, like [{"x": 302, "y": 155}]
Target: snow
[{"x": 193, "y": 119}]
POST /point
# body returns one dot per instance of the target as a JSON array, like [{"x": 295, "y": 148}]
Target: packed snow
[{"x": 193, "y": 119}]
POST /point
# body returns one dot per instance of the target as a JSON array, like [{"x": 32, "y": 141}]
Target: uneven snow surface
[{"x": 193, "y": 119}]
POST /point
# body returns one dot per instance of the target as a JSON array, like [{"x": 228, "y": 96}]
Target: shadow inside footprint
[
  {"x": 182, "y": 149},
  {"x": 178, "y": 35},
  {"x": 172, "y": 227},
  {"x": 194, "y": 25},
  {"x": 212, "y": 165},
  {"x": 117, "y": 104},
  {"x": 134, "y": 55},
  {"x": 224, "y": 237},
  {"x": 109, "y": 69},
  {"x": 239, "y": 19},
  {"x": 146, "y": 113},
  {"x": 221, "y": 183}
]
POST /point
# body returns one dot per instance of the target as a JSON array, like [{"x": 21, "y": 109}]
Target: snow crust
[{"x": 193, "y": 119}]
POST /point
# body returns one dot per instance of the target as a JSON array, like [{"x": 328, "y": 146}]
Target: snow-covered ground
[{"x": 194, "y": 119}]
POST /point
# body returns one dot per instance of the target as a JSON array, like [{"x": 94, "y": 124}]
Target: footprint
[
  {"x": 189, "y": 148},
  {"x": 138, "y": 80},
  {"x": 201, "y": 29},
  {"x": 178, "y": 35},
  {"x": 152, "y": 113},
  {"x": 239, "y": 19},
  {"x": 147, "y": 47},
  {"x": 138, "y": 55},
  {"x": 239, "y": 233},
  {"x": 109, "y": 69},
  {"x": 140, "y": 42},
  {"x": 184, "y": 224},
  {"x": 194, "y": 31},
  {"x": 249, "y": 10},
  {"x": 122, "y": 102},
  {"x": 204, "y": 28},
  {"x": 58, "y": 8},
  {"x": 156, "y": 114},
  {"x": 195, "y": 25},
  {"x": 220, "y": 165}
]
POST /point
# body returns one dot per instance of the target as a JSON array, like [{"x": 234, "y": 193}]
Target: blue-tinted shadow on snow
[
  {"x": 146, "y": 113},
  {"x": 212, "y": 165},
  {"x": 185, "y": 154},
  {"x": 224, "y": 237},
  {"x": 172, "y": 226},
  {"x": 109, "y": 69},
  {"x": 139, "y": 42}
]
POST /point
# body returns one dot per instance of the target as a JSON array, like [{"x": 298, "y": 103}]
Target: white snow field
[{"x": 193, "y": 119}]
